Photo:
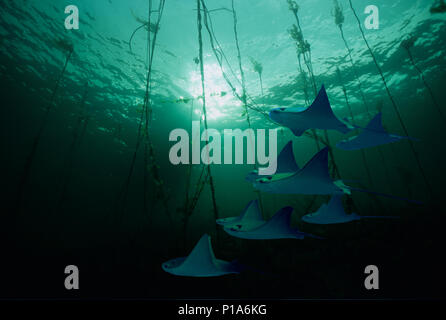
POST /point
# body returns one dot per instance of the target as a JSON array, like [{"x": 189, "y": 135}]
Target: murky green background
[{"x": 120, "y": 245}]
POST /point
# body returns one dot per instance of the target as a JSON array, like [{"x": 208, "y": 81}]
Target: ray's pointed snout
[
  {"x": 165, "y": 266},
  {"x": 342, "y": 145},
  {"x": 221, "y": 221},
  {"x": 345, "y": 129},
  {"x": 252, "y": 176},
  {"x": 264, "y": 180}
]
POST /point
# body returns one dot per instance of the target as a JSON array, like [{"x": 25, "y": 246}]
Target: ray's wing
[
  {"x": 375, "y": 125},
  {"x": 201, "y": 259},
  {"x": 279, "y": 223},
  {"x": 317, "y": 167},
  {"x": 286, "y": 161},
  {"x": 320, "y": 106}
]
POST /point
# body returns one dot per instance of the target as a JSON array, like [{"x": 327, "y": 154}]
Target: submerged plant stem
[
  {"x": 143, "y": 135},
  {"x": 355, "y": 72},
  {"x": 200, "y": 55},
  {"x": 24, "y": 178},
  {"x": 369, "y": 117},
  {"x": 220, "y": 56},
  {"x": 364, "y": 159},
  {"x": 133, "y": 34},
  {"x": 429, "y": 89},
  {"x": 306, "y": 55},
  {"x": 244, "y": 94},
  {"x": 307, "y": 60},
  {"x": 77, "y": 139},
  {"x": 395, "y": 107}
]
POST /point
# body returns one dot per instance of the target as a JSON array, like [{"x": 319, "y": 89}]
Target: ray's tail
[
  {"x": 386, "y": 195},
  {"x": 379, "y": 217},
  {"x": 309, "y": 235},
  {"x": 244, "y": 267}
]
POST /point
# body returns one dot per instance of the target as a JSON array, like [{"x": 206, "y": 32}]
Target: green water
[{"x": 79, "y": 204}]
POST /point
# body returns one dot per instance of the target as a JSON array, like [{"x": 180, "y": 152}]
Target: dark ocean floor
[{"x": 409, "y": 253}]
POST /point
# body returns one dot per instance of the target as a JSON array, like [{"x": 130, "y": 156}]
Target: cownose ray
[
  {"x": 318, "y": 115},
  {"x": 334, "y": 213},
  {"x": 278, "y": 227},
  {"x": 285, "y": 163},
  {"x": 201, "y": 262},
  {"x": 250, "y": 218},
  {"x": 312, "y": 179},
  {"x": 372, "y": 135}
]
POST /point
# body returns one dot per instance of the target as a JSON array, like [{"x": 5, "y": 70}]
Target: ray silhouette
[
  {"x": 250, "y": 218},
  {"x": 372, "y": 135},
  {"x": 278, "y": 227},
  {"x": 334, "y": 213},
  {"x": 317, "y": 116},
  {"x": 201, "y": 262},
  {"x": 394, "y": 105},
  {"x": 313, "y": 178},
  {"x": 286, "y": 163}
]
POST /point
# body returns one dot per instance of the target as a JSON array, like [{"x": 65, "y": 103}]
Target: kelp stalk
[
  {"x": 203, "y": 90},
  {"x": 303, "y": 46},
  {"x": 243, "y": 82},
  {"x": 395, "y": 107},
  {"x": 143, "y": 128},
  {"x": 407, "y": 45},
  {"x": 307, "y": 99},
  {"x": 304, "y": 49},
  {"x": 339, "y": 20},
  {"x": 220, "y": 56},
  {"x": 364, "y": 159},
  {"x": 24, "y": 178},
  {"x": 68, "y": 163},
  {"x": 258, "y": 68},
  {"x": 148, "y": 145}
]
